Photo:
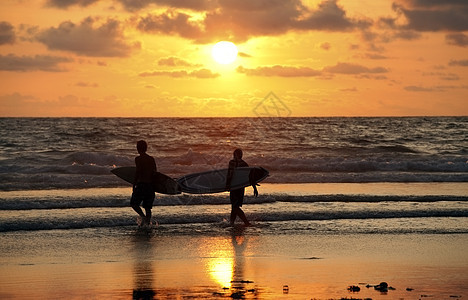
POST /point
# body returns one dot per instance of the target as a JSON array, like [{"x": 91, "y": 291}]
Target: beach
[
  {"x": 306, "y": 258},
  {"x": 124, "y": 263},
  {"x": 350, "y": 202}
]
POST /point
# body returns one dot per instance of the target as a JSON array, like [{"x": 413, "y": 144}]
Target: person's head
[
  {"x": 237, "y": 154},
  {"x": 142, "y": 146}
]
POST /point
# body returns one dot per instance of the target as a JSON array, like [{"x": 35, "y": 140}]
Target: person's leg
[
  {"x": 233, "y": 215},
  {"x": 138, "y": 210},
  {"x": 241, "y": 214},
  {"x": 148, "y": 215}
]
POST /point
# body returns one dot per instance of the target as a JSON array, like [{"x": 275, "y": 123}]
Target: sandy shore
[{"x": 122, "y": 263}]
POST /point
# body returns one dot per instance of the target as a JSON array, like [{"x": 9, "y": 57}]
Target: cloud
[
  {"x": 7, "y": 33},
  {"x": 463, "y": 63},
  {"x": 348, "y": 68},
  {"x": 434, "y": 15},
  {"x": 289, "y": 71},
  {"x": 67, "y": 3},
  {"x": 438, "y": 88},
  {"x": 325, "y": 46},
  {"x": 171, "y": 23},
  {"x": 331, "y": 17},
  {"x": 239, "y": 21},
  {"x": 281, "y": 71},
  {"x": 45, "y": 63},
  {"x": 175, "y": 62},
  {"x": 199, "y": 5},
  {"x": 457, "y": 39},
  {"x": 414, "y": 88},
  {"x": 88, "y": 39},
  {"x": 201, "y": 73},
  {"x": 86, "y": 84},
  {"x": 243, "y": 54},
  {"x": 442, "y": 75}
]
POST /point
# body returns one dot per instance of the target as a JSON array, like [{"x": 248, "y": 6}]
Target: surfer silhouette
[
  {"x": 237, "y": 195},
  {"x": 142, "y": 188}
]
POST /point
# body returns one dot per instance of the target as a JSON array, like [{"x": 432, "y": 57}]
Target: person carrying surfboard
[
  {"x": 237, "y": 196},
  {"x": 143, "y": 191}
]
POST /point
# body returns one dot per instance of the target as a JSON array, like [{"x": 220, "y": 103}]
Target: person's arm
[
  {"x": 137, "y": 170},
  {"x": 230, "y": 173},
  {"x": 155, "y": 168},
  {"x": 252, "y": 181}
]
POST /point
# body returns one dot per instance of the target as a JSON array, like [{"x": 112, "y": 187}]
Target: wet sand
[{"x": 123, "y": 263}]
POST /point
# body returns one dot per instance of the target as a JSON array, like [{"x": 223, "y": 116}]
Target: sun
[{"x": 224, "y": 52}]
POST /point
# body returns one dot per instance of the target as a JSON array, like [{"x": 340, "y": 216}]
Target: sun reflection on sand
[
  {"x": 220, "y": 262},
  {"x": 221, "y": 269}
]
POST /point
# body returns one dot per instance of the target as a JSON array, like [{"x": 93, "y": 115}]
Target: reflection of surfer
[
  {"x": 143, "y": 189},
  {"x": 237, "y": 196}
]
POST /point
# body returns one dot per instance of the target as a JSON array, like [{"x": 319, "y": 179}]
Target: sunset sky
[{"x": 152, "y": 58}]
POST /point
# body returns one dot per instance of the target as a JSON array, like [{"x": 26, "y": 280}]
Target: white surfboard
[{"x": 214, "y": 181}]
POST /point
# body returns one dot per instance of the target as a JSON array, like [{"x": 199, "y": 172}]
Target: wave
[
  {"x": 61, "y": 202},
  {"x": 370, "y": 221},
  {"x": 70, "y": 170}
]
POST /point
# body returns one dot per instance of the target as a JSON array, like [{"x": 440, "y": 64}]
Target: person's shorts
[
  {"x": 143, "y": 193},
  {"x": 237, "y": 197}
]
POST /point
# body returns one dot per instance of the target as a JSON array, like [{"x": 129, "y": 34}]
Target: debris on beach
[
  {"x": 285, "y": 289},
  {"x": 354, "y": 288},
  {"x": 382, "y": 287},
  {"x": 237, "y": 295},
  {"x": 238, "y": 291},
  {"x": 241, "y": 281}
]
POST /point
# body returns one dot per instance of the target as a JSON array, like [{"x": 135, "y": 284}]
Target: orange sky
[{"x": 153, "y": 58}]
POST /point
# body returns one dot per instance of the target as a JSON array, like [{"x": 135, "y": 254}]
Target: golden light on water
[
  {"x": 221, "y": 270},
  {"x": 220, "y": 261}
]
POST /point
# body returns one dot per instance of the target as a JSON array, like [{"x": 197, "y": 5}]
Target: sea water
[{"x": 326, "y": 174}]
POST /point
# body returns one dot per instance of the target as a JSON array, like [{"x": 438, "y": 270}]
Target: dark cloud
[
  {"x": 433, "y": 3},
  {"x": 88, "y": 39},
  {"x": 462, "y": 63},
  {"x": 45, "y": 63},
  {"x": 239, "y": 21},
  {"x": 280, "y": 71},
  {"x": 201, "y": 73},
  {"x": 67, "y": 3},
  {"x": 7, "y": 33},
  {"x": 331, "y": 17},
  {"x": 434, "y": 15},
  {"x": 348, "y": 68},
  {"x": 457, "y": 39},
  {"x": 171, "y": 23}
]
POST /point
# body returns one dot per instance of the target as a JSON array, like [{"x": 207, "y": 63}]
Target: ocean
[{"x": 407, "y": 174}]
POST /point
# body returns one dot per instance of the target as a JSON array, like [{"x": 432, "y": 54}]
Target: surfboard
[
  {"x": 214, "y": 181},
  {"x": 162, "y": 184}
]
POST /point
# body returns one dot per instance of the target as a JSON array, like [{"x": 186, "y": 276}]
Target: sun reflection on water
[{"x": 220, "y": 261}]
